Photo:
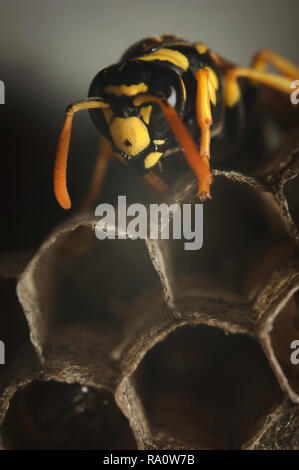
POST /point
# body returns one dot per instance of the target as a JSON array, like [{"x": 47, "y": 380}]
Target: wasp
[{"x": 167, "y": 92}]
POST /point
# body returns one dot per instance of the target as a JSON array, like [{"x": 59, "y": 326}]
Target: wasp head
[{"x": 133, "y": 122}]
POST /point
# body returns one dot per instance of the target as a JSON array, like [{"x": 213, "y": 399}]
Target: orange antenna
[
  {"x": 60, "y": 187},
  {"x": 198, "y": 161}
]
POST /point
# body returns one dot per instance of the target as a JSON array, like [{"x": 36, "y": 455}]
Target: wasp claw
[{"x": 203, "y": 196}]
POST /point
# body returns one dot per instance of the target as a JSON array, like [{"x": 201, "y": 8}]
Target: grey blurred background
[{"x": 49, "y": 52}]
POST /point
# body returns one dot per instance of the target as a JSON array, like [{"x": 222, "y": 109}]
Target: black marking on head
[{"x": 127, "y": 143}]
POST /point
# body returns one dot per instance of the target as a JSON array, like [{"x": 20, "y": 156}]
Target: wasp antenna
[
  {"x": 198, "y": 162},
  {"x": 197, "y": 159},
  {"x": 60, "y": 186}
]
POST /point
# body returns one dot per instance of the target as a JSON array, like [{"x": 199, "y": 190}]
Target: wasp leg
[
  {"x": 60, "y": 188},
  {"x": 199, "y": 162},
  {"x": 156, "y": 182},
  {"x": 204, "y": 120},
  {"x": 264, "y": 57},
  {"x": 105, "y": 154},
  {"x": 232, "y": 88}
]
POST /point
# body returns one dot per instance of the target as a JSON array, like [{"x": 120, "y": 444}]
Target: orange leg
[
  {"x": 156, "y": 183},
  {"x": 104, "y": 156},
  {"x": 199, "y": 160},
  {"x": 233, "y": 91},
  {"x": 204, "y": 120},
  {"x": 264, "y": 57}
]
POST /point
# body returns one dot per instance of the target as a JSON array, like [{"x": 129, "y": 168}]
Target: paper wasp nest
[{"x": 123, "y": 344}]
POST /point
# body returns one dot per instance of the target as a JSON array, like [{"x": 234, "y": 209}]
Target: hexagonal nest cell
[
  {"x": 54, "y": 415},
  {"x": 210, "y": 389},
  {"x": 124, "y": 344}
]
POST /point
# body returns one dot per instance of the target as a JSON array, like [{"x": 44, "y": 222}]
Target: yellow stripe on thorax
[
  {"x": 213, "y": 77},
  {"x": 213, "y": 85},
  {"x": 168, "y": 55}
]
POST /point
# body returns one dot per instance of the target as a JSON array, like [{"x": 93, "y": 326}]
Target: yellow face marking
[
  {"x": 108, "y": 113},
  {"x": 151, "y": 159},
  {"x": 127, "y": 90},
  {"x": 200, "y": 47},
  {"x": 129, "y": 135},
  {"x": 213, "y": 77},
  {"x": 184, "y": 89},
  {"x": 168, "y": 55},
  {"x": 159, "y": 141},
  {"x": 146, "y": 113}
]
